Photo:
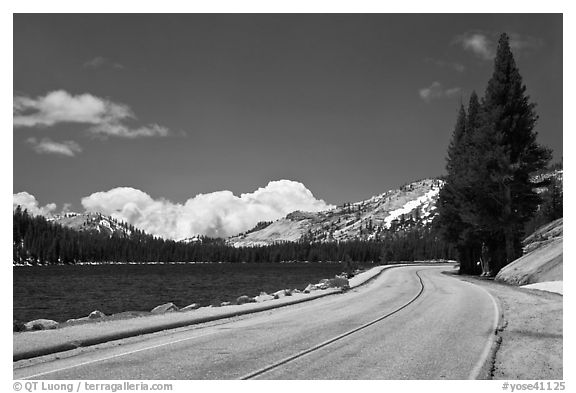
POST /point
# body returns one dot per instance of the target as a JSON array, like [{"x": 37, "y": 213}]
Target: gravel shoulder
[{"x": 530, "y": 335}]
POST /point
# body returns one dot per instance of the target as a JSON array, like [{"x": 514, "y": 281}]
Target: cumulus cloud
[
  {"x": 437, "y": 91},
  {"x": 102, "y": 62},
  {"x": 484, "y": 44},
  {"x": 120, "y": 130},
  {"x": 28, "y": 201},
  {"x": 61, "y": 107},
  {"x": 477, "y": 43},
  {"x": 48, "y": 146},
  {"x": 216, "y": 214},
  {"x": 107, "y": 118}
]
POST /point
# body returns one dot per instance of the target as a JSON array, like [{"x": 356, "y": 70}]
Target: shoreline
[
  {"x": 170, "y": 263},
  {"x": 41, "y": 323},
  {"x": 219, "y": 263}
]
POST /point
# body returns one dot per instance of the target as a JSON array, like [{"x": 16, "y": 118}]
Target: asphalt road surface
[{"x": 410, "y": 323}]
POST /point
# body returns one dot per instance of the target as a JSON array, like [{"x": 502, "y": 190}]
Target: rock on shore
[
  {"x": 164, "y": 308},
  {"x": 263, "y": 297},
  {"x": 96, "y": 315},
  {"x": 190, "y": 307},
  {"x": 41, "y": 324},
  {"x": 245, "y": 299}
]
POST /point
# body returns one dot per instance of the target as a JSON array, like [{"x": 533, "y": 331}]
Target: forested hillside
[{"x": 39, "y": 241}]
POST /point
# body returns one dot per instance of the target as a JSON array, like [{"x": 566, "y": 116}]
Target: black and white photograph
[{"x": 287, "y": 196}]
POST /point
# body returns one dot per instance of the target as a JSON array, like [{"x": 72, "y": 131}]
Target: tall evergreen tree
[
  {"x": 512, "y": 154},
  {"x": 489, "y": 196},
  {"x": 454, "y": 197}
]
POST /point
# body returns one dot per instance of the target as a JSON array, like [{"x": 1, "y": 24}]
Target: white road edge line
[
  {"x": 116, "y": 356},
  {"x": 487, "y": 349}
]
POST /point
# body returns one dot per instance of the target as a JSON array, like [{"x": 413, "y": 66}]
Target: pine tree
[
  {"x": 454, "y": 197},
  {"x": 507, "y": 141},
  {"x": 488, "y": 197}
]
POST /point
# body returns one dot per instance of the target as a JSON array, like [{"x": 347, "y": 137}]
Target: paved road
[{"x": 411, "y": 323}]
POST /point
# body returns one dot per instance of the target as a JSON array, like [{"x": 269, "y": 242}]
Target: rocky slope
[
  {"x": 410, "y": 205},
  {"x": 542, "y": 260},
  {"x": 92, "y": 222}
]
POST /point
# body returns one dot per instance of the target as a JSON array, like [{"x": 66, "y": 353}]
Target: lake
[{"x": 64, "y": 292}]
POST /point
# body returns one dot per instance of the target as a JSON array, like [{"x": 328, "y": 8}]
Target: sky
[{"x": 209, "y": 123}]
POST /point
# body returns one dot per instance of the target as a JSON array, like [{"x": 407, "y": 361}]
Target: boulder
[
  {"x": 76, "y": 320},
  {"x": 164, "y": 308},
  {"x": 282, "y": 293},
  {"x": 190, "y": 307},
  {"x": 339, "y": 282},
  {"x": 41, "y": 324},
  {"x": 128, "y": 315},
  {"x": 96, "y": 314},
  {"x": 263, "y": 297},
  {"x": 245, "y": 299}
]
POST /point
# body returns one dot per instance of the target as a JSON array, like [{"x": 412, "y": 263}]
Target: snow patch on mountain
[
  {"x": 410, "y": 205},
  {"x": 92, "y": 222}
]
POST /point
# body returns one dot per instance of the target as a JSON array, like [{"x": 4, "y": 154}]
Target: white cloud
[
  {"x": 48, "y": 146},
  {"x": 477, "y": 43},
  {"x": 484, "y": 44},
  {"x": 61, "y": 107},
  {"x": 217, "y": 214},
  {"x": 106, "y": 117},
  {"x": 436, "y": 91},
  {"x": 100, "y": 62},
  {"x": 120, "y": 130},
  {"x": 29, "y": 202}
]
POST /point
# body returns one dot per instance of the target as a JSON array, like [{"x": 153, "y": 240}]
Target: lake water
[{"x": 63, "y": 292}]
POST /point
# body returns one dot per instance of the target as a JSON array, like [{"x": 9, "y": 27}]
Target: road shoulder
[{"x": 530, "y": 334}]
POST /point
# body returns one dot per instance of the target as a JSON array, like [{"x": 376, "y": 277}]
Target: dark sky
[{"x": 333, "y": 101}]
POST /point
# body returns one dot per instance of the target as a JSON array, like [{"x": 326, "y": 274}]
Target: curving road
[{"x": 411, "y": 322}]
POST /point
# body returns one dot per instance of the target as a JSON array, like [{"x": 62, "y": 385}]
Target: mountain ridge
[
  {"x": 93, "y": 221},
  {"x": 411, "y": 205}
]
